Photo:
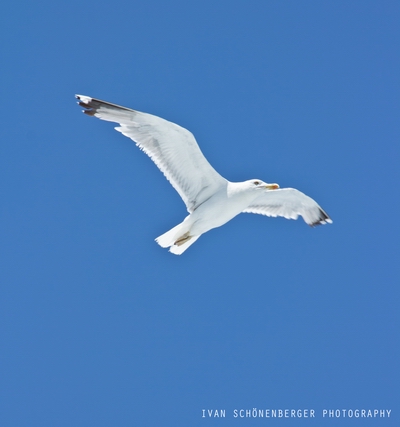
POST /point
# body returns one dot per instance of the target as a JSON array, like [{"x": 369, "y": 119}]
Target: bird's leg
[{"x": 183, "y": 239}]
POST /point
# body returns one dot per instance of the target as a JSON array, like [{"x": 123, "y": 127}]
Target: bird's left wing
[
  {"x": 171, "y": 147},
  {"x": 289, "y": 203}
]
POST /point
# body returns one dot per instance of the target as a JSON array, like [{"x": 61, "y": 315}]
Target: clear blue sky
[{"x": 99, "y": 326}]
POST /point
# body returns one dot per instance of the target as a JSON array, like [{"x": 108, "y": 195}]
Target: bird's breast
[{"x": 216, "y": 211}]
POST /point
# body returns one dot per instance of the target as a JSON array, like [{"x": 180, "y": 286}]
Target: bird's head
[{"x": 257, "y": 184}]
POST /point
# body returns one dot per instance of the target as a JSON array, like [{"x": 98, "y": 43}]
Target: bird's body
[
  {"x": 221, "y": 207},
  {"x": 210, "y": 199},
  {"x": 232, "y": 199}
]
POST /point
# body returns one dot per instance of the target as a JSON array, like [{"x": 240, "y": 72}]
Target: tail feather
[
  {"x": 168, "y": 239},
  {"x": 178, "y": 250}
]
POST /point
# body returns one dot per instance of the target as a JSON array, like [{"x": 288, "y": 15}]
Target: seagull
[{"x": 210, "y": 199}]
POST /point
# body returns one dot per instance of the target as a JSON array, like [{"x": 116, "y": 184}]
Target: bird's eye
[{"x": 256, "y": 183}]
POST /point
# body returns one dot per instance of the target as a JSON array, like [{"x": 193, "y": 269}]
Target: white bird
[{"x": 211, "y": 200}]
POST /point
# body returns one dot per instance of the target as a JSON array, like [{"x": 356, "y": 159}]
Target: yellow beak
[{"x": 271, "y": 186}]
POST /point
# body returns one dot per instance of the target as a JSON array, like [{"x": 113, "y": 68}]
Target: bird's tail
[{"x": 178, "y": 239}]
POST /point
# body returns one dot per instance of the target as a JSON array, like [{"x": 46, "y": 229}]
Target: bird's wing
[
  {"x": 171, "y": 147},
  {"x": 289, "y": 203}
]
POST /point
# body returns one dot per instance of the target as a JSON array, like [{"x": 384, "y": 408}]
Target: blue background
[{"x": 102, "y": 327}]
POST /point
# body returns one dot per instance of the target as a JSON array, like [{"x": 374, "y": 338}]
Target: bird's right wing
[
  {"x": 289, "y": 203},
  {"x": 171, "y": 147}
]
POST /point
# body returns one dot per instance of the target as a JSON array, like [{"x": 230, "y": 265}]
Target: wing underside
[
  {"x": 289, "y": 203},
  {"x": 171, "y": 147}
]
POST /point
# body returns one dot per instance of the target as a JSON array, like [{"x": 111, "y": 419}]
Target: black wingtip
[
  {"x": 88, "y": 110},
  {"x": 323, "y": 218},
  {"x": 87, "y": 103},
  {"x": 94, "y": 104}
]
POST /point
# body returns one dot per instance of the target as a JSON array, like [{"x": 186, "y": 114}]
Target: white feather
[
  {"x": 289, "y": 203},
  {"x": 171, "y": 147}
]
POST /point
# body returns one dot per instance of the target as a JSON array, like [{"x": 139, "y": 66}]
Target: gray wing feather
[
  {"x": 289, "y": 203},
  {"x": 171, "y": 147}
]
